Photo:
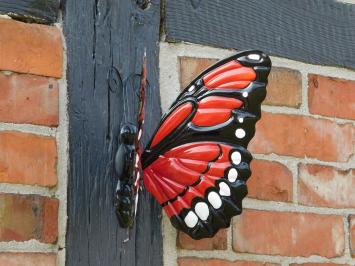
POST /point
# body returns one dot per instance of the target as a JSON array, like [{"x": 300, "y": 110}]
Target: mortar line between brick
[
  {"x": 169, "y": 242},
  {"x": 347, "y": 250},
  {"x": 293, "y": 167},
  {"x": 262, "y": 205},
  {"x": 304, "y": 89},
  {"x": 26, "y": 189},
  {"x": 230, "y": 237},
  {"x": 235, "y": 256},
  {"x": 286, "y": 161},
  {"x": 27, "y": 246},
  {"x": 63, "y": 153},
  {"x": 298, "y": 112},
  {"x": 27, "y": 128}
]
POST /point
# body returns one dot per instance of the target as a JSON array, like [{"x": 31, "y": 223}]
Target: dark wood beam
[{"x": 106, "y": 41}]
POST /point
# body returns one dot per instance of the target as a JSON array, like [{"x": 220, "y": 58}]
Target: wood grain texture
[
  {"x": 39, "y": 11},
  {"x": 313, "y": 31},
  {"x": 106, "y": 40}
]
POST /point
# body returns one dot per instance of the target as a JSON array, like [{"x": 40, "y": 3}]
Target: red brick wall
[
  {"x": 301, "y": 203},
  {"x": 31, "y": 68}
]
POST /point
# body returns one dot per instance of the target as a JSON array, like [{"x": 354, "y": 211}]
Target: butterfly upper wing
[{"x": 196, "y": 164}]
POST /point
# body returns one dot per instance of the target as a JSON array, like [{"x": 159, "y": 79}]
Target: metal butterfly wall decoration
[{"x": 197, "y": 163}]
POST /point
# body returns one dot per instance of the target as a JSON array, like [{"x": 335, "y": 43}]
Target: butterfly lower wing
[
  {"x": 200, "y": 185},
  {"x": 197, "y": 163}
]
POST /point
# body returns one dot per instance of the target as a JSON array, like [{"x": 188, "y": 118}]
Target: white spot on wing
[
  {"x": 254, "y": 57},
  {"x": 241, "y": 119},
  {"x": 240, "y": 133},
  {"x": 202, "y": 210},
  {"x": 191, "y": 88},
  {"x": 245, "y": 94},
  {"x": 232, "y": 175},
  {"x": 215, "y": 200},
  {"x": 236, "y": 157},
  {"x": 191, "y": 219},
  {"x": 224, "y": 189}
]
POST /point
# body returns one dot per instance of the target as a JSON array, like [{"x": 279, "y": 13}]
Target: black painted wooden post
[{"x": 106, "y": 40}]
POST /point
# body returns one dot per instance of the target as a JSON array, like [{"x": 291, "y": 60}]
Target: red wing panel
[
  {"x": 186, "y": 172},
  {"x": 229, "y": 76},
  {"x": 172, "y": 122},
  {"x": 215, "y": 110},
  {"x": 178, "y": 169}
]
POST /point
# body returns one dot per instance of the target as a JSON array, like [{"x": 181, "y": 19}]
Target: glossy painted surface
[
  {"x": 172, "y": 121},
  {"x": 197, "y": 164},
  {"x": 214, "y": 110},
  {"x": 229, "y": 76}
]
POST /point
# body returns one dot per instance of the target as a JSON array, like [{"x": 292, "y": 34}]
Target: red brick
[
  {"x": 27, "y": 259},
  {"x": 218, "y": 242},
  {"x": 190, "y": 67},
  {"x": 318, "y": 264},
  {"x": 303, "y": 136},
  {"x": 352, "y": 235},
  {"x": 27, "y": 159},
  {"x": 326, "y": 186},
  {"x": 28, "y": 99},
  {"x": 284, "y": 87},
  {"x": 331, "y": 96},
  {"x": 288, "y": 234},
  {"x": 270, "y": 181},
  {"x": 30, "y": 48},
  {"x": 25, "y": 217},
  {"x": 218, "y": 262}
]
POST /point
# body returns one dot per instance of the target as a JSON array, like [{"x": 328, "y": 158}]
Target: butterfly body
[
  {"x": 124, "y": 164},
  {"x": 197, "y": 163}
]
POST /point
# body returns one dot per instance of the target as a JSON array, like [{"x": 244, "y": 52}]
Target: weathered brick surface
[
  {"x": 331, "y": 96},
  {"x": 218, "y": 242},
  {"x": 30, "y": 48},
  {"x": 25, "y": 217},
  {"x": 301, "y": 136},
  {"x": 352, "y": 235},
  {"x": 326, "y": 186},
  {"x": 218, "y": 262},
  {"x": 190, "y": 67},
  {"x": 270, "y": 181},
  {"x": 27, "y": 259},
  {"x": 284, "y": 87},
  {"x": 318, "y": 264},
  {"x": 27, "y": 159},
  {"x": 28, "y": 99},
  {"x": 288, "y": 234}
]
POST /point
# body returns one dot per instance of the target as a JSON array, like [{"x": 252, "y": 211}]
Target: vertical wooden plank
[{"x": 104, "y": 38}]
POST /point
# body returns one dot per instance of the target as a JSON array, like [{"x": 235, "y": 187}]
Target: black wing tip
[
  {"x": 254, "y": 58},
  {"x": 221, "y": 218}
]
